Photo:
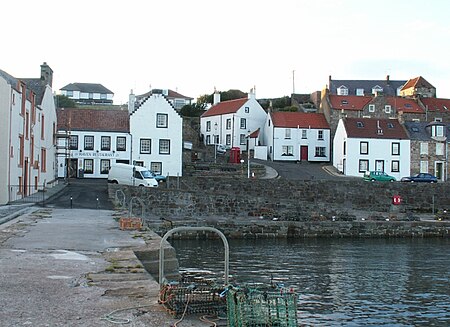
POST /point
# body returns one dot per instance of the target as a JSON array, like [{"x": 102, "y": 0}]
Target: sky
[{"x": 196, "y": 46}]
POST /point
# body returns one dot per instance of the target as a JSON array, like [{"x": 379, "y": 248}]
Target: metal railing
[{"x": 26, "y": 193}]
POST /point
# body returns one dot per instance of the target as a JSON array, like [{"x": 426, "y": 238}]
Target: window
[
  {"x": 320, "y": 134},
  {"x": 139, "y": 163},
  {"x": 423, "y": 148},
  {"x": 344, "y": 150},
  {"x": 243, "y": 123},
  {"x": 121, "y": 143},
  {"x": 287, "y": 150},
  {"x": 424, "y": 166},
  {"x": 103, "y": 96},
  {"x": 437, "y": 131},
  {"x": 377, "y": 89},
  {"x": 227, "y": 139},
  {"x": 371, "y": 108},
  {"x": 229, "y": 123},
  {"x": 359, "y": 124},
  {"x": 21, "y": 150},
  {"x": 363, "y": 165},
  {"x": 247, "y": 110},
  {"x": 105, "y": 143},
  {"x": 387, "y": 109},
  {"x": 208, "y": 126},
  {"x": 27, "y": 128},
  {"x": 242, "y": 139},
  {"x": 161, "y": 120},
  {"x": 395, "y": 149},
  {"x": 156, "y": 167},
  {"x": 89, "y": 142},
  {"x": 208, "y": 139},
  {"x": 43, "y": 160},
  {"x": 145, "y": 146},
  {"x": 342, "y": 90},
  {"x": 439, "y": 149},
  {"x": 320, "y": 151},
  {"x": 304, "y": 134},
  {"x": 179, "y": 103},
  {"x": 88, "y": 166},
  {"x": 42, "y": 127},
  {"x": 364, "y": 148},
  {"x": 104, "y": 166},
  {"x": 73, "y": 142},
  {"x": 395, "y": 166},
  {"x": 164, "y": 146},
  {"x": 69, "y": 94},
  {"x": 359, "y": 92},
  {"x": 287, "y": 133}
]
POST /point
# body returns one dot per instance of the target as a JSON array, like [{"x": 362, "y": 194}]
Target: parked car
[
  {"x": 159, "y": 178},
  {"x": 380, "y": 176},
  {"x": 420, "y": 178}
]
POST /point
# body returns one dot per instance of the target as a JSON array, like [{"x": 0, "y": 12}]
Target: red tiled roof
[
  {"x": 254, "y": 134},
  {"x": 299, "y": 119},
  {"x": 225, "y": 107},
  {"x": 176, "y": 95},
  {"x": 436, "y": 104},
  {"x": 417, "y": 82},
  {"x": 349, "y": 102},
  {"x": 404, "y": 104},
  {"x": 107, "y": 120},
  {"x": 368, "y": 128}
]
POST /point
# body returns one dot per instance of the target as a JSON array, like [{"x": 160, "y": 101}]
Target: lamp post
[
  {"x": 248, "y": 154},
  {"x": 215, "y": 143}
]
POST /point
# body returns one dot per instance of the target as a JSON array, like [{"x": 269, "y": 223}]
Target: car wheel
[
  {"x": 412, "y": 181},
  {"x": 392, "y": 180},
  {"x": 432, "y": 182},
  {"x": 372, "y": 180}
]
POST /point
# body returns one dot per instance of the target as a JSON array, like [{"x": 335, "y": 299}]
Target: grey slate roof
[
  {"x": 87, "y": 88},
  {"x": 389, "y": 86},
  {"x": 34, "y": 84},
  {"x": 418, "y": 131}
]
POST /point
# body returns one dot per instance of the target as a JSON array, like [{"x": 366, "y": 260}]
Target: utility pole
[{"x": 293, "y": 81}]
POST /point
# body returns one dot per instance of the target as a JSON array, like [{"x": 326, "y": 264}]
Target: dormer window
[
  {"x": 377, "y": 89},
  {"x": 437, "y": 131},
  {"x": 342, "y": 90},
  {"x": 344, "y": 102},
  {"x": 387, "y": 109},
  {"x": 360, "y": 92},
  {"x": 371, "y": 108}
]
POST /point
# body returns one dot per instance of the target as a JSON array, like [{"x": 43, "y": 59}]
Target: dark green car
[{"x": 379, "y": 176}]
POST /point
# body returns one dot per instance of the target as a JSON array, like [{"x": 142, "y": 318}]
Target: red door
[{"x": 304, "y": 152}]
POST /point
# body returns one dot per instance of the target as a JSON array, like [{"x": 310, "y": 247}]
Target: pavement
[{"x": 75, "y": 267}]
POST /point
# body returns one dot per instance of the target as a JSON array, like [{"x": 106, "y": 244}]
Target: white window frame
[
  {"x": 243, "y": 123},
  {"x": 320, "y": 151},
  {"x": 423, "y": 148},
  {"x": 364, "y": 147},
  {"x": 208, "y": 126},
  {"x": 242, "y": 139},
  {"x": 320, "y": 135},
  {"x": 162, "y": 120},
  {"x": 287, "y": 150},
  {"x": 395, "y": 148},
  {"x": 360, "y": 92},
  {"x": 88, "y": 165},
  {"x": 439, "y": 149},
  {"x": 228, "y": 123},
  {"x": 363, "y": 165},
  {"x": 105, "y": 143},
  {"x": 342, "y": 90},
  {"x": 304, "y": 134},
  {"x": 287, "y": 133},
  {"x": 387, "y": 109},
  {"x": 105, "y": 164},
  {"x": 156, "y": 167},
  {"x": 371, "y": 108},
  {"x": 424, "y": 166}
]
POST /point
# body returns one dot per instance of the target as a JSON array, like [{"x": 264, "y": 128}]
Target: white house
[
  {"x": 297, "y": 136},
  {"x": 90, "y": 140},
  {"x": 230, "y": 122},
  {"x": 157, "y": 135},
  {"x": 88, "y": 93},
  {"x": 27, "y": 134},
  {"x": 371, "y": 144}
]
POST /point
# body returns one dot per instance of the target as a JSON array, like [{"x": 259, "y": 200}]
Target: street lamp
[
  {"x": 215, "y": 143},
  {"x": 248, "y": 154}
]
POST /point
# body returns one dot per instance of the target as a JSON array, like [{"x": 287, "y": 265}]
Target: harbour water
[{"x": 341, "y": 282}]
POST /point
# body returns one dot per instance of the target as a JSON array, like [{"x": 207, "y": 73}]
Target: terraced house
[{"x": 27, "y": 134}]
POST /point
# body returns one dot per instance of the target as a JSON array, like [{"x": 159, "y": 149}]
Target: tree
[
  {"x": 63, "y": 101},
  {"x": 193, "y": 110}
]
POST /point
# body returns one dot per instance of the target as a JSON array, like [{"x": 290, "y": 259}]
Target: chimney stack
[
  {"x": 216, "y": 97},
  {"x": 46, "y": 74}
]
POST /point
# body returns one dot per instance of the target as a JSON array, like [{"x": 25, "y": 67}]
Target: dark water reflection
[{"x": 377, "y": 282}]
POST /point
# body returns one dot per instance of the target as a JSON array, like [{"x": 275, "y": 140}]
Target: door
[
  {"x": 72, "y": 168},
  {"x": 304, "y": 153},
  {"x": 379, "y": 165},
  {"x": 439, "y": 171}
]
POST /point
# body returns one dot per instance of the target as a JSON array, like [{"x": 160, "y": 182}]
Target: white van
[{"x": 131, "y": 175}]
